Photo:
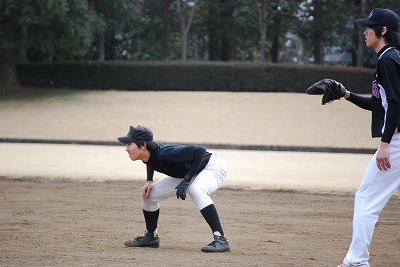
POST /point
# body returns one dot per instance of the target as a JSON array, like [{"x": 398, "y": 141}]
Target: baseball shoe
[
  {"x": 343, "y": 265},
  {"x": 145, "y": 240},
  {"x": 220, "y": 244}
]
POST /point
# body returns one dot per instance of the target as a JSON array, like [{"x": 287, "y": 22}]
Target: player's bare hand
[
  {"x": 382, "y": 157},
  {"x": 146, "y": 189}
]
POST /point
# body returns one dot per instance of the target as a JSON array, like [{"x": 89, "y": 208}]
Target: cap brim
[
  {"x": 365, "y": 22},
  {"x": 125, "y": 139}
]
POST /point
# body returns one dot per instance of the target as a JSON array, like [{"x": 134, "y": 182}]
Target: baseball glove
[{"x": 329, "y": 88}]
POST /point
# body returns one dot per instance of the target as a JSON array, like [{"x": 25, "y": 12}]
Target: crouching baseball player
[{"x": 189, "y": 169}]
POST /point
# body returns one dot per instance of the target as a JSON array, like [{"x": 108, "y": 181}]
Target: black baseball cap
[
  {"x": 381, "y": 16},
  {"x": 137, "y": 133}
]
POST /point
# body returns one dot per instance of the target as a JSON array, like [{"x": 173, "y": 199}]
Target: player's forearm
[
  {"x": 150, "y": 173},
  {"x": 363, "y": 102}
]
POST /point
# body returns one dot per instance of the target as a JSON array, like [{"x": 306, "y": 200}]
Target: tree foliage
[
  {"x": 56, "y": 29},
  {"x": 234, "y": 30}
]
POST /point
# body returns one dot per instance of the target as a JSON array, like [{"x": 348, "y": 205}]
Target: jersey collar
[{"x": 383, "y": 50}]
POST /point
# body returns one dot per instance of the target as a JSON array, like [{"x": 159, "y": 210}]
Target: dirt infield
[
  {"x": 51, "y": 219},
  {"x": 66, "y": 223}
]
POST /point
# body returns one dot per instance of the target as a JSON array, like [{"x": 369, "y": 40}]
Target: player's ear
[{"x": 384, "y": 30}]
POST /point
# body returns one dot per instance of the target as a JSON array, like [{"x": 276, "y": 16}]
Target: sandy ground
[
  {"x": 74, "y": 205},
  {"x": 202, "y": 117},
  {"x": 256, "y": 170}
]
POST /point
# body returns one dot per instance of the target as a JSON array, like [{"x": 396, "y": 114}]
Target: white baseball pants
[
  {"x": 374, "y": 192},
  {"x": 201, "y": 187}
]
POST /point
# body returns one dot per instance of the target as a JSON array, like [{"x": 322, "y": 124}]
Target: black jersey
[
  {"x": 386, "y": 76},
  {"x": 177, "y": 160}
]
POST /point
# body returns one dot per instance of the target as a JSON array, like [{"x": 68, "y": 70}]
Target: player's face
[
  {"x": 371, "y": 41},
  {"x": 135, "y": 152}
]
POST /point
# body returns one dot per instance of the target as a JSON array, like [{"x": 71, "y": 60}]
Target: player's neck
[
  {"x": 145, "y": 156},
  {"x": 380, "y": 45}
]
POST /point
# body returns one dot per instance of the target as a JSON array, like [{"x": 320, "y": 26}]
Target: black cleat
[
  {"x": 145, "y": 240},
  {"x": 220, "y": 244}
]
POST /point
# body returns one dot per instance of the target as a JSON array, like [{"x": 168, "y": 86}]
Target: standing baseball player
[
  {"x": 382, "y": 176},
  {"x": 189, "y": 169}
]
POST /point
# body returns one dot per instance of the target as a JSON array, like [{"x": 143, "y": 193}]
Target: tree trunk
[
  {"x": 100, "y": 47},
  {"x": 22, "y": 51},
  {"x": 360, "y": 49},
  {"x": 227, "y": 29},
  {"x": 185, "y": 27},
  {"x": 263, "y": 40},
  {"x": 299, "y": 50},
  {"x": 318, "y": 55},
  {"x": 212, "y": 28},
  {"x": 182, "y": 23},
  {"x": 165, "y": 17},
  {"x": 8, "y": 77},
  {"x": 184, "y": 43},
  {"x": 262, "y": 28},
  {"x": 318, "y": 16},
  {"x": 275, "y": 40}
]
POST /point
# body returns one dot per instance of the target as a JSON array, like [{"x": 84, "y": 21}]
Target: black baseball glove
[
  {"x": 329, "y": 88},
  {"x": 182, "y": 187}
]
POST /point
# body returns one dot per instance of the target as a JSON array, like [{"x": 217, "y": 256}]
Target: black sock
[
  {"x": 210, "y": 214},
  {"x": 151, "y": 218}
]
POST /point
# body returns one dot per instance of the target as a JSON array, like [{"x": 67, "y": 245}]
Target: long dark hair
[
  {"x": 151, "y": 145},
  {"x": 391, "y": 36}
]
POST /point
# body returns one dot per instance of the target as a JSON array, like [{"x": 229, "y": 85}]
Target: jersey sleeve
[
  {"x": 150, "y": 167},
  {"x": 392, "y": 120},
  {"x": 150, "y": 172},
  {"x": 198, "y": 155},
  {"x": 364, "y": 102}
]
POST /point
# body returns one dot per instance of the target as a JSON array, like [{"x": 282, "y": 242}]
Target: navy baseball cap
[
  {"x": 381, "y": 16},
  {"x": 137, "y": 133}
]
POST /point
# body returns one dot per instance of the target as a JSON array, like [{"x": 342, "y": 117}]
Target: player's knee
[
  {"x": 199, "y": 196},
  {"x": 149, "y": 204},
  {"x": 196, "y": 191}
]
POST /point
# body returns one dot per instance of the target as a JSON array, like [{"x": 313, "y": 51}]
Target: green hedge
[{"x": 190, "y": 76}]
